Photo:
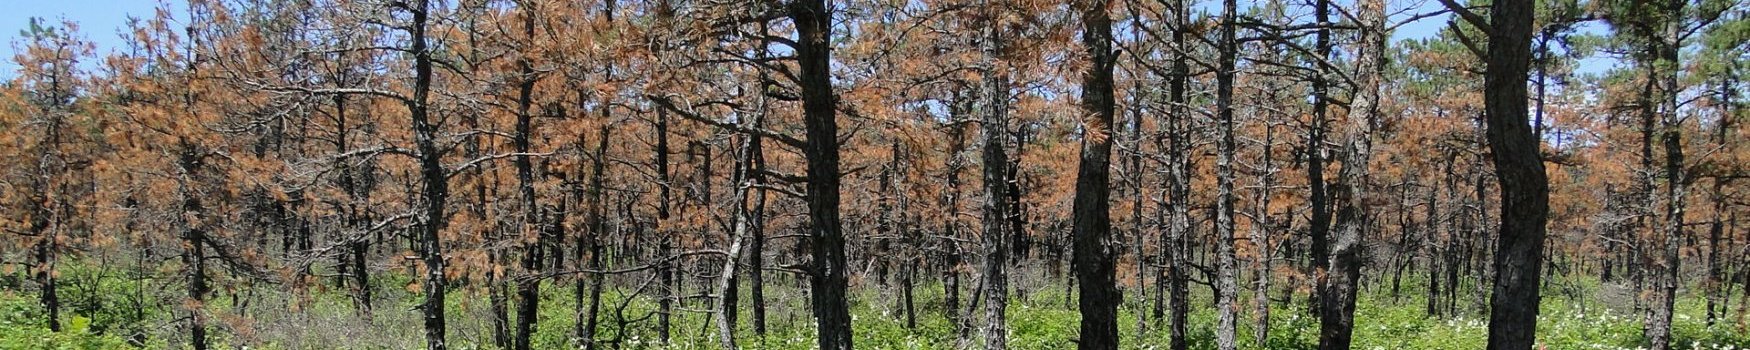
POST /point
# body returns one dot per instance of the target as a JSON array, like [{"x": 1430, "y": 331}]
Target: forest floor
[{"x": 1577, "y": 314}]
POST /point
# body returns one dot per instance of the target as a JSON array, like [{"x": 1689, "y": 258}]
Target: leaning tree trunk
[
  {"x": 742, "y": 223},
  {"x": 1094, "y": 255}
]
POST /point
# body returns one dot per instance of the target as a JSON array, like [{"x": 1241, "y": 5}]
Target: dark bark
[
  {"x": 435, "y": 178},
  {"x": 756, "y": 215},
  {"x": 1431, "y": 252},
  {"x": 498, "y": 299},
  {"x": 1179, "y": 186},
  {"x": 194, "y": 258},
  {"x": 1262, "y": 227},
  {"x": 827, "y": 273},
  {"x": 1718, "y": 283},
  {"x": 361, "y": 275},
  {"x": 757, "y": 240},
  {"x": 951, "y": 201},
  {"x": 357, "y": 185},
  {"x": 1133, "y": 168},
  {"x": 1227, "y": 265},
  {"x": 1713, "y": 284},
  {"x": 590, "y": 247},
  {"x": 1519, "y": 171},
  {"x": 46, "y": 259},
  {"x": 528, "y": 288},
  {"x": 1320, "y": 215},
  {"x": 1019, "y": 244},
  {"x": 1094, "y": 254},
  {"x": 665, "y": 265},
  {"x": 993, "y": 116}
]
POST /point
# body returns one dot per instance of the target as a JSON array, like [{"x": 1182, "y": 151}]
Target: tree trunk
[
  {"x": 1227, "y": 267},
  {"x": 1337, "y": 314},
  {"x": 358, "y": 221},
  {"x": 757, "y": 247},
  {"x": 1519, "y": 171},
  {"x": 1431, "y": 252},
  {"x": 194, "y": 257},
  {"x": 1094, "y": 252},
  {"x": 827, "y": 275},
  {"x": 45, "y": 265},
  {"x": 1179, "y": 186},
  {"x": 950, "y": 229},
  {"x": 1133, "y": 166},
  {"x": 756, "y": 215},
  {"x": 435, "y": 179},
  {"x": 590, "y": 246},
  {"x": 1320, "y": 217},
  {"x": 743, "y": 183},
  {"x": 665, "y": 264},
  {"x": 1676, "y": 181},
  {"x": 499, "y": 299},
  {"x": 528, "y": 287},
  {"x": 993, "y": 108},
  {"x": 1261, "y": 229}
]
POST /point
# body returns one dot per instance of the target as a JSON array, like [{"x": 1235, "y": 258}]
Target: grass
[{"x": 260, "y": 317}]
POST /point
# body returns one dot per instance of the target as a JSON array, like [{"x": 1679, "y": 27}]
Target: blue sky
[{"x": 99, "y": 21}]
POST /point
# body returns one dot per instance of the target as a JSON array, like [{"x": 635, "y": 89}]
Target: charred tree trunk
[
  {"x": 528, "y": 287},
  {"x": 436, "y": 182},
  {"x": 827, "y": 275},
  {"x": 46, "y": 251},
  {"x": 590, "y": 247},
  {"x": 1094, "y": 252},
  {"x": 665, "y": 250},
  {"x": 357, "y": 184},
  {"x": 757, "y": 240},
  {"x": 193, "y": 244},
  {"x": 1431, "y": 252},
  {"x": 993, "y": 105}
]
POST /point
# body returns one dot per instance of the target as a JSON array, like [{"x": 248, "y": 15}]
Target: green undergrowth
[{"x": 110, "y": 315}]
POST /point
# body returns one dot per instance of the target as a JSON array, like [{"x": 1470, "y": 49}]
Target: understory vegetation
[{"x": 1578, "y": 313}]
